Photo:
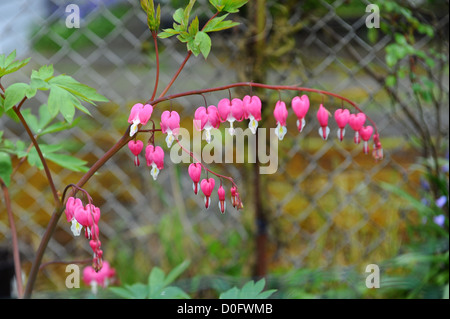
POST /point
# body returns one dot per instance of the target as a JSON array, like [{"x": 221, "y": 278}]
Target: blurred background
[{"x": 310, "y": 229}]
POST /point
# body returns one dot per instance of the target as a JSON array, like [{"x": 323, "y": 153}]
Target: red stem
[
  {"x": 264, "y": 86},
  {"x": 155, "y": 39}
]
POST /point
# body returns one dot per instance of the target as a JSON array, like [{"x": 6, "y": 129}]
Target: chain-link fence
[{"x": 323, "y": 207}]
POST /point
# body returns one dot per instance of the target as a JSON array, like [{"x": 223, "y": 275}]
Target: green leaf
[
  {"x": 5, "y": 168},
  {"x": 217, "y": 24},
  {"x": 7, "y": 65},
  {"x": 14, "y": 94},
  {"x": 194, "y": 27},
  {"x": 155, "y": 282},
  {"x": 83, "y": 91},
  {"x": 203, "y": 42},
  {"x": 69, "y": 162},
  {"x": 187, "y": 12},
  {"x": 251, "y": 290},
  {"x": 167, "y": 33},
  {"x": 176, "y": 272},
  {"x": 178, "y": 15},
  {"x": 44, "y": 73},
  {"x": 58, "y": 127},
  {"x": 135, "y": 291},
  {"x": 56, "y": 99},
  {"x": 172, "y": 293},
  {"x": 232, "y": 6},
  {"x": 31, "y": 120}
]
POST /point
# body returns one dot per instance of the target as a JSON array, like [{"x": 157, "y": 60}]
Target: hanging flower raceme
[
  {"x": 280, "y": 113},
  {"x": 356, "y": 122},
  {"x": 222, "y": 203},
  {"x": 366, "y": 134},
  {"x": 195, "y": 172},
  {"x": 140, "y": 114},
  {"x": 170, "y": 125},
  {"x": 155, "y": 159},
  {"x": 71, "y": 204},
  {"x": 341, "y": 116},
  {"x": 231, "y": 111},
  {"x": 102, "y": 277},
  {"x": 207, "y": 186},
  {"x": 136, "y": 147},
  {"x": 252, "y": 111},
  {"x": 206, "y": 119},
  {"x": 300, "y": 105},
  {"x": 322, "y": 117}
]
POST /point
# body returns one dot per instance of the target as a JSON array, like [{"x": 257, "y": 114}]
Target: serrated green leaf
[
  {"x": 10, "y": 58},
  {"x": 31, "y": 120},
  {"x": 5, "y": 168},
  {"x": 83, "y": 91},
  {"x": 14, "y": 94},
  {"x": 44, "y": 73},
  {"x": 44, "y": 117},
  {"x": 13, "y": 67},
  {"x": 187, "y": 12},
  {"x": 155, "y": 282},
  {"x": 38, "y": 83},
  {"x": 217, "y": 24},
  {"x": 232, "y": 6}
]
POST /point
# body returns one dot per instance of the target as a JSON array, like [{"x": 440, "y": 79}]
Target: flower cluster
[
  {"x": 170, "y": 124},
  {"x": 88, "y": 217},
  {"x": 207, "y": 186},
  {"x": 101, "y": 278}
]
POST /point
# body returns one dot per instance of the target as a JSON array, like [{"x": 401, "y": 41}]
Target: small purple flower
[
  {"x": 425, "y": 202},
  {"x": 439, "y": 220},
  {"x": 441, "y": 201},
  {"x": 425, "y": 185}
]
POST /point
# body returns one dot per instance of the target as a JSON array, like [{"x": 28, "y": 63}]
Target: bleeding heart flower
[
  {"x": 322, "y": 117},
  {"x": 140, "y": 114},
  {"x": 356, "y": 122},
  {"x": 207, "y": 119},
  {"x": 207, "y": 186},
  {"x": 170, "y": 125},
  {"x": 155, "y": 159},
  {"x": 136, "y": 147},
  {"x": 222, "y": 203},
  {"x": 101, "y": 278},
  {"x": 195, "y": 172},
  {"x": 300, "y": 105},
  {"x": 341, "y": 116},
  {"x": 231, "y": 112},
  {"x": 378, "y": 149},
  {"x": 71, "y": 204},
  {"x": 252, "y": 111},
  {"x": 366, "y": 134},
  {"x": 280, "y": 113}
]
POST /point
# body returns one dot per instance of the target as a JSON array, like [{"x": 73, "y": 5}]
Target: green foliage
[
  {"x": 250, "y": 290},
  {"x": 5, "y": 167},
  {"x": 197, "y": 40},
  {"x": 157, "y": 287},
  {"x": 9, "y": 65}
]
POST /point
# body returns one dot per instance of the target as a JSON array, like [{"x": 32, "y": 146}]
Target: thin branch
[
  {"x": 15, "y": 242},
  {"x": 183, "y": 64},
  {"x": 41, "y": 156},
  {"x": 155, "y": 39},
  {"x": 264, "y": 86}
]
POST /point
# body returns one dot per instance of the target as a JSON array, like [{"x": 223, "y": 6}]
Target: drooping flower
[
  {"x": 140, "y": 114},
  {"x": 195, "y": 172},
  {"x": 356, "y": 122},
  {"x": 231, "y": 111},
  {"x": 280, "y": 113},
  {"x": 155, "y": 159},
  {"x": 222, "y": 203},
  {"x": 136, "y": 147},
  {"x": 207, "y": 186},
  {"x": 233, "y": 192},
  {"x": 170, "y": 125},
  {"x": 341, "y": 116},
  {"x": 101, "y": 278},
  {"x": 300, "y": 105},
  {"x": 377, "y": 148},
  {"x": 206, "y": 119},
  {"x": 252, "y": 111},
  {"x": 71, "y": 205},
  {"x": 366, "y": 133},
  {"x": 322, "y": 117}
]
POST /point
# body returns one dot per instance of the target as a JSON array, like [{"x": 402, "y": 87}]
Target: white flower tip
[
  {"x": 253, "y": 125},
  {"x": 76, "y": 227},
  {"x": 169, "y": 140},
  {"x": 134, "y": 128},
  {"x": 154, "y": 172},
  {"x": 280, "y": 131},
  {"x": 322, "y": 135}
]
